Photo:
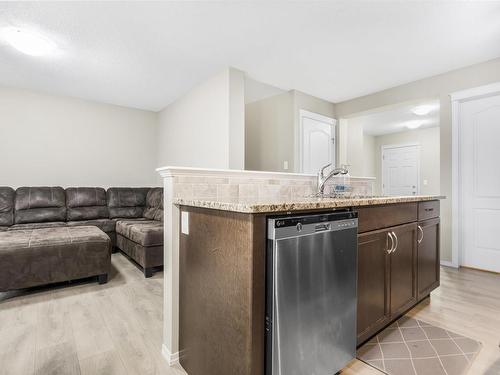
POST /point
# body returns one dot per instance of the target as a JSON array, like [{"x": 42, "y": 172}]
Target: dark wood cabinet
[
  {"x": 386, "y": 276},
  {"x": 398, "y": 265},
  {"x": 427, "y": 257},
  {"x": 373, "y": 302},
  {"x": 403, "y": 288}
]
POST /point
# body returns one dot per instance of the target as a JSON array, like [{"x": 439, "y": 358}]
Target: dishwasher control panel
[{"x": 303, "y": 225}]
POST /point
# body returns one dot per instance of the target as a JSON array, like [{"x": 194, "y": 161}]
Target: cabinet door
[
  {"x": 403, "y": 286},
  {"x": 373, "y": 283},
  {"x": 428, "y": 257}
]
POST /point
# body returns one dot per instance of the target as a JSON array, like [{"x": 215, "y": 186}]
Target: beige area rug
[{"x": 413, "y": 347}]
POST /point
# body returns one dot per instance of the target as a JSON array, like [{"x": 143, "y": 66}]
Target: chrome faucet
[{"x": 322, "y": 180}]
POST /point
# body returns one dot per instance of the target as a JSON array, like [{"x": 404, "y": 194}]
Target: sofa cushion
[
  {"x": 106, "y": 225},
  {"x": 6, "y": 206},
  {"x": 126, "y": 202},
  {"x": 154, "y": 203},
  {"x": 143, "y": 232},
  {"x": 13, "y": 240},
  {"x": 28, "y": 226},
  {"x": 40, "y": 204},
  {"x": 86, "y": 203}
]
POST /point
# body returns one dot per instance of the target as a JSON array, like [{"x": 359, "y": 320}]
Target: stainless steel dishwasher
[{"x": 311, "y": 293}]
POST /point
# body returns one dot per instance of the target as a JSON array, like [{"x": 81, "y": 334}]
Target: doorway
[
  {"x": 317, "y": 141},
  {"x": 363, "y": 137},
  {"x": 401, "y": 169}
]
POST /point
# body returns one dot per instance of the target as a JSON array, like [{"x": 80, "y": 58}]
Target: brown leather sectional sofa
[{"x": 51, "y": 234}]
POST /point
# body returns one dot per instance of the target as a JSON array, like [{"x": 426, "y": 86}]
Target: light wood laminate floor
[
  {"x": 86, "y": 328},
  {"x": 468, "y": 303}
]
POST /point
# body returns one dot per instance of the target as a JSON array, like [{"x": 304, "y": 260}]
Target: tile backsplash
[{"x": 281, "y": 188}]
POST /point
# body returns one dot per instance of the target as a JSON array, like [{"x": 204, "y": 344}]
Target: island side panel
[{"x": 222, "y": 293}]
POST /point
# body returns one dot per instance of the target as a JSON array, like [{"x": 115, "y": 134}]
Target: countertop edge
[{"x": 299, "y": 205}]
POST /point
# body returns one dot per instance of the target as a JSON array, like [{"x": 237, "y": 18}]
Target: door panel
[
  {"x": 403, "y": 269},
  {"x": 400, "y": 166},
  {"x": 479, "y": 155},
  {"x": 428, "y": 257},
  {"x": 317, "y": 142},
  {"x": 373, "y": 273}
]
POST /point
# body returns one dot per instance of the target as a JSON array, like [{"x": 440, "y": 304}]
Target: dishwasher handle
[{"x": 322, "y": 227}]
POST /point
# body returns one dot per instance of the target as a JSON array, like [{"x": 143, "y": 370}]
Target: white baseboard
[
  {"x": 447, "y": 263},
  {"x": 172, "y": 358}
]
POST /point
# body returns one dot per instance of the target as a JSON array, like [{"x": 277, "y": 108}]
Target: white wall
[
  {"x": 205, "y": 127},
  {"x": 438, "y": 86},
  {"x": 51, "y": 140}
]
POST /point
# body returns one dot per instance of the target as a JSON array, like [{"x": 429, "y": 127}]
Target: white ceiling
[
  {"x": 147, "y": 54},
  {"x": 396, "y": 118}
]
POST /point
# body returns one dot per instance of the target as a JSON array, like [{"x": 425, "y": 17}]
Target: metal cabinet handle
[
  {"x": 389, "y": 235},
  {"x": 389, "y": 250},
  {"x": 397, "y": 242},
  {"x": 422, "y": 232}
]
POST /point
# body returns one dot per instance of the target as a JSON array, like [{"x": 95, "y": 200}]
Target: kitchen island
[{"x": 222, "y": 271}]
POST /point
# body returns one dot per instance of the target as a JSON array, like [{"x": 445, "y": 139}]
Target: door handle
[
  {"x": 389, "y": 235},
  {"x": 397, "y": 242},
  {"x": 422, "y": 232}
]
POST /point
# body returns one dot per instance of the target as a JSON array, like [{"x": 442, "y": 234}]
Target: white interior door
[
  {"x": 479, "y": 121},
  {"x": 400, "y": 169},
  {"x": 317, "y": 138}
]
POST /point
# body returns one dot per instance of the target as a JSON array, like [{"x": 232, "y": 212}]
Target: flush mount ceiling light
[
  {"x": 413, "y": 124},
  {"x": 422, "y": 110},
  {"x": 28, "y": 42}
]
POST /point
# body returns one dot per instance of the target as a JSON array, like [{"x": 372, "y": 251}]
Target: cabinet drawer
[
  {"x": 378, "y": 217},
  {"x": 428, "y": 210}
]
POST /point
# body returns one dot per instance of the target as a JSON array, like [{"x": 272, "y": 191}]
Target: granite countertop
[{"x": 248, "y": 205}]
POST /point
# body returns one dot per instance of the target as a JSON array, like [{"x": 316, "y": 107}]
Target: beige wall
[
  {"x": 369, "y": 163},
  {"x": 272, "y": 129},
  {"x": 356, "y": 149},
  {"x": 256, "y": 90},
  {"x": 269, "y": 134},
  {"x": 53, "y": 140},
  {"x": 205, "y": 127},
  {"x": 428, "y": 139},
  {"x": 236, "y": 119},
  {"x": 438, "y": 86}
]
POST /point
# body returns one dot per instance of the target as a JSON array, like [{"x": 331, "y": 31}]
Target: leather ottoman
[{"x": 49, "y": 255}]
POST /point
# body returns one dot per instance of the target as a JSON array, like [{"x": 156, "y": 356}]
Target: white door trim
[
  {"x": 458, "y": 98},
  {"x": 386, "y": 147},
  {"x": 314, "y": 116}
]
